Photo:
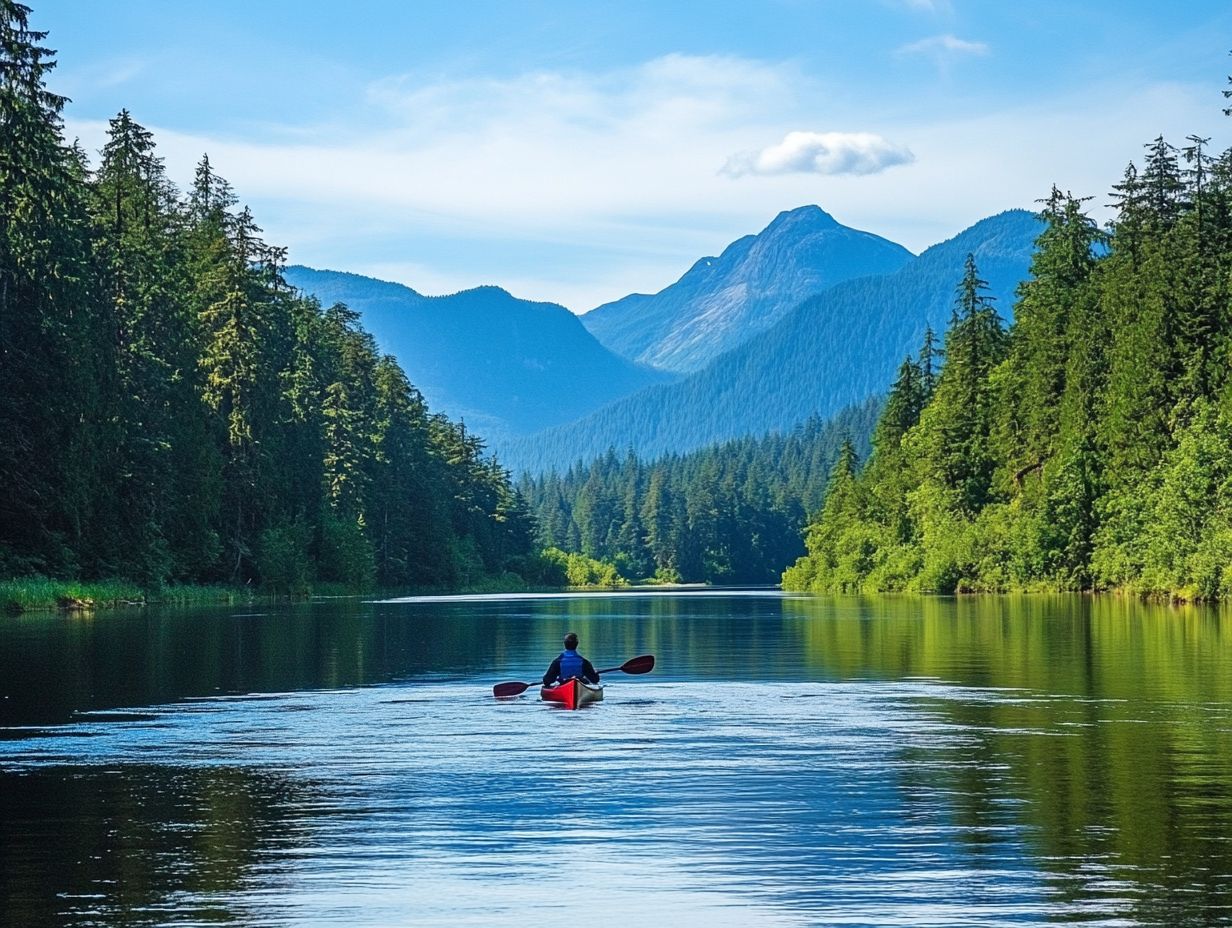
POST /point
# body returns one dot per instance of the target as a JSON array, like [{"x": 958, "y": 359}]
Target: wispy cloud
[
  {"x": 707, "y": 89},
  {"x": 103, "y": 74},
  {"x": 944, "y": 46},
  {"x": 928, "y": 6},
  {"x": 821, "y": 153},
  {"x": 553, "y": 150},
  {"x": 121, "y": 72}
]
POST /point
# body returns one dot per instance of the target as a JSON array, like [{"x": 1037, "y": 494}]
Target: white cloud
[
  {"x": 946, "y": 46},
  {"x": 821, "y": 153},
  {"x": 698, "y": 89}
]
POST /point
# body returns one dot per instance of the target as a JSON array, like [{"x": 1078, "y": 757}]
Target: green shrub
[{"x": 282, "y": 559}]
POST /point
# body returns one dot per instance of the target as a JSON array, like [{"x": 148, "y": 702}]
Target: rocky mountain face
[{"x": 722, "y": 302}]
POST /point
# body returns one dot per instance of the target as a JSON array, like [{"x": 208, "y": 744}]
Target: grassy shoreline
[
  {"x": 42, "y": 594},
  {"x": 35, "y": 594}
]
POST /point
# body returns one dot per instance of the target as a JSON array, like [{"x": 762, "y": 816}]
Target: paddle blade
[
  {"x": 504, "y": 690},
  {"x": 643, "y": 664}
]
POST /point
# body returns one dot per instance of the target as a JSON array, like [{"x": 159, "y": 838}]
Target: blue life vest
[{"x": 570, "y": 664}]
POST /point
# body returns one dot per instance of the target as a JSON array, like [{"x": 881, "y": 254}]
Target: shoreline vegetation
[
  {"x": 34, "y": 594},
  {"x": 555, "y": 571},
  {"x": 43, "y": 594}
]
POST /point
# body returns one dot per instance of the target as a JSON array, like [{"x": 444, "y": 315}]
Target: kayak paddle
[{"x": 643, "y": 664}]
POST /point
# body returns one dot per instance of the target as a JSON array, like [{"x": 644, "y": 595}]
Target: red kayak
[{"x": 573, "y": 694}]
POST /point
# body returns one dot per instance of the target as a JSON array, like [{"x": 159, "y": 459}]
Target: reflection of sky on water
[
  {"x": 722, "y": 804},
  {"x": 589, "y": 596}
]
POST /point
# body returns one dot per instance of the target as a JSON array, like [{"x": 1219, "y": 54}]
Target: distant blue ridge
[{"x": 507, "y": 366}]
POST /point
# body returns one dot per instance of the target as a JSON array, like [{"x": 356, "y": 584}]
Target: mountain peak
[
  {"x": 484, "y": 294},
  {"x": 841, "y": 345},
  {"x": 802, "y": 218},
  {"x": 721, "y": 302},
  {"x": 331, "y": 286}
]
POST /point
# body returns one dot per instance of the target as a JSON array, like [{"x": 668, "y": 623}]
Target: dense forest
[
  {"x": 731, "y": 513},
  {"x": 1089, "y": 446},
  {"x": 170, "y": 409}
]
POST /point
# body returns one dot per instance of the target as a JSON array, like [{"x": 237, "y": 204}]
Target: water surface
[{"x": 792, "y": 761}]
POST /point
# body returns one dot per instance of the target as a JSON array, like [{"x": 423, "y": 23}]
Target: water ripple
[{"x": 846, "y": 803}]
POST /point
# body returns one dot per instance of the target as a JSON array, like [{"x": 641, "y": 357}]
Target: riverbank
[
  {"x": 41, "y": 594},
  {"x": 34, "y": 594}
]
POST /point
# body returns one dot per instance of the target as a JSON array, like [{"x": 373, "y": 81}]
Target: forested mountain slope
[
  {"x": 507, "y": 366},
  {"x": 722, "y": 302},
  {"x": 835, "y": 349}
]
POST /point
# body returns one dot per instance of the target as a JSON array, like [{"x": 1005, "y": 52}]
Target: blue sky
[{"x": 576, "y": 152}]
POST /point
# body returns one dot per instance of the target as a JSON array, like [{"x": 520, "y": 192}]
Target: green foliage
[
  {"x": 837, "y": 543},
  {"x": 173, "y": 412},
  {"x": 1092, "y": 448},
  {"x": 345, "y": 554},
  {"x": 282, "y": 558},
  {"x": 727, "y": 514},
  {"x": 51, "y": 363},
  {"x": 564, "y": 569},
  {"x": 32, "y": 593},
  {"x": 1185, "y": 547}
]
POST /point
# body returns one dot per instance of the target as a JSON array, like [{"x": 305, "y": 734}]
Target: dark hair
[{"x": 570, "y": 641}]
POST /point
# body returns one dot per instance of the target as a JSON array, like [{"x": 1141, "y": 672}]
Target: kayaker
[{"x": 570, "y": 664}]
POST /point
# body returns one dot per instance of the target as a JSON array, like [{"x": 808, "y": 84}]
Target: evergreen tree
[
  {"x": 49, "y": 381},
  {"x": 927, "y": 364},
  {"x": 658, "y": 517},
  {"x": 157, "y": 443},
  {"x": 1162, "y": 185},
  {"x": 1129, "y": 201},
  {"x": 902, "y": 408},
  {"x": 1033, "y": 379},
  {"x": 836, "y": 556},
  {"x": 956, "y": 431}
]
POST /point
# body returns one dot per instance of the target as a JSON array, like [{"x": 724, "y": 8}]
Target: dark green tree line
[{"x": 731, "y": 513}]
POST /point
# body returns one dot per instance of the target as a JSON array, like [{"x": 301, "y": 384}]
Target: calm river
[{"x": 792, "y": 760}]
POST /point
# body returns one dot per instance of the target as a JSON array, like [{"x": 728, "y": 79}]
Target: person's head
[{"x": 571, "y": 642}]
